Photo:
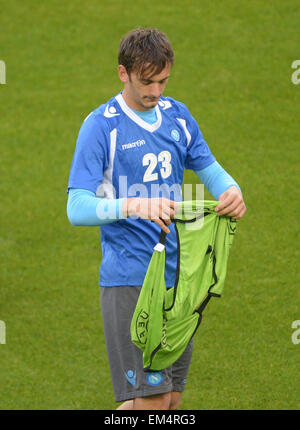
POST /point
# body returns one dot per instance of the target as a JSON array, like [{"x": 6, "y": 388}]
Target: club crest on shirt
[{"x": 175, "y": 135}]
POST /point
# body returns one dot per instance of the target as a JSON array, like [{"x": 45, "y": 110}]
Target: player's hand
[
  {"x": 231, "y": 203},
  {"x": 159, "y": 210}
]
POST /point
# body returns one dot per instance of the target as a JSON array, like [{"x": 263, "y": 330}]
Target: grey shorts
[{"x": 125, "y": 359}]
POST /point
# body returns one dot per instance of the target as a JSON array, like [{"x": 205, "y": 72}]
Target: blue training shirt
[{"x": 120, "y": 155}]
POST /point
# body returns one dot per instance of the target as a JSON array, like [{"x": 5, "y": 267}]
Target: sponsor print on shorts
[
  {"x": 154, "y": 378},
  {"x": 131, "y": 377}
]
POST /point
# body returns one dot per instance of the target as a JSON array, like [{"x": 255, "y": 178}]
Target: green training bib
[{"x": 165, "y": 320}]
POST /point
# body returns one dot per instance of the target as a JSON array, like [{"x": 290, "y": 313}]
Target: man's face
[{"x": 143, "y": 92}]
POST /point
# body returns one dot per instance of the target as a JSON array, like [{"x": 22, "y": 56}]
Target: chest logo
[
  {"x": 175, "y": 135},
  {"x": 138, "y": 143}
]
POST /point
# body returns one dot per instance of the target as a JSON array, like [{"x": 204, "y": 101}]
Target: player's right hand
[{"x": 157, "y": 209}]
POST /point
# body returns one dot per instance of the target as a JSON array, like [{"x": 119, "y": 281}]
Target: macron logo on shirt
[
  {"x": 164, "y": 104},
  {"x": 138, "y": 143},
  {"x": 110, "y": 111}
]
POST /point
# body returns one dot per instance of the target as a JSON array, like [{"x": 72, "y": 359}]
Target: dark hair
[{"x": 145, "y": 50}]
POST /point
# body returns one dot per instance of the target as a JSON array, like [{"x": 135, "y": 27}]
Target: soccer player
[{"x": 130, "y": 157}]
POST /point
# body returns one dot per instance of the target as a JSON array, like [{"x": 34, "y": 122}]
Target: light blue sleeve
[
  {"x": 216, "y": 179},
  {"x": 85, "y": 209}
]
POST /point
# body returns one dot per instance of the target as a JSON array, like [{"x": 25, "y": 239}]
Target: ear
[{"x": 123, "y": 75}]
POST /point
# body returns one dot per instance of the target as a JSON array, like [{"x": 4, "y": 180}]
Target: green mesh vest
[{"x": 165, "y": 320}]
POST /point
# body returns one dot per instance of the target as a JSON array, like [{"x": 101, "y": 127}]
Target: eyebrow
[{"x": 151, "y": 80}]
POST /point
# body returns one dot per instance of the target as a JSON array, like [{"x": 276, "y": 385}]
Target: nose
[{"x": 156, "y": 90}]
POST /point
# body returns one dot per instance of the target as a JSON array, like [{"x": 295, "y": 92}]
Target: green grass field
[{"x": 233, "y": 70}]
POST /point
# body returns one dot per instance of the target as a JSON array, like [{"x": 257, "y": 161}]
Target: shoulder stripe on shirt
[
  {"x": 106, "y": 188},
  {"x": 187, "y": 133}
]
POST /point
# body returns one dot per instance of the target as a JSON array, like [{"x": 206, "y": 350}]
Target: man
[{"x": 129, "y": 154}]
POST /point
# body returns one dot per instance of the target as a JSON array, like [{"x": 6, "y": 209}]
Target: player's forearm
[
  {"x": 157, "y": 209},
  {"x": 216, "y": 179},
  {"x": 85, "y": 209}
]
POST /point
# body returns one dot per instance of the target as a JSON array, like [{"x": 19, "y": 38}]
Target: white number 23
[{"x": 151, "y": 160}]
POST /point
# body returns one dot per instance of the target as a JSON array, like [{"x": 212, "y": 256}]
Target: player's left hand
[{"x": 231, "y": 203}]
